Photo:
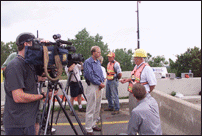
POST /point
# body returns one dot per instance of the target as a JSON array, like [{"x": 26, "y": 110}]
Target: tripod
[
  {"x": 53, "y": 86},
  {"x": 67, "y": 88}
]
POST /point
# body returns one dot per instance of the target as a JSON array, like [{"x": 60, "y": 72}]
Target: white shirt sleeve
[
  {"x": 79, "y": 66},
  {"x": 117, "y": 68},
  {"x": 66, "y": 70},
  {"x": 151, "y": 78}
]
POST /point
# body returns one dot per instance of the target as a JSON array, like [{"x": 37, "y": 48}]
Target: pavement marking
[{"x": 111, "y": 122}]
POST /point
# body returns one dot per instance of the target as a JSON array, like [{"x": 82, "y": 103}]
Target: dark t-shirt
[{"x": 18, "y": 75}]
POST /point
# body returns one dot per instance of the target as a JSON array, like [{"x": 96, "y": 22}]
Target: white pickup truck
[{"x": 161, "y": 71}]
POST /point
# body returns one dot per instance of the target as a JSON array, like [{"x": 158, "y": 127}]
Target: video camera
[{"x": 35, "y": 54}]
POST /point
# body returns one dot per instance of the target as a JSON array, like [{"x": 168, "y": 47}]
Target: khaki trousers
[{"x": 94, "y": 97}]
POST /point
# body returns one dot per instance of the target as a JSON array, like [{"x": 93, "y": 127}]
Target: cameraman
[
  {"x": 22, "y": 98},
  {"x": 75, "y": 90}
]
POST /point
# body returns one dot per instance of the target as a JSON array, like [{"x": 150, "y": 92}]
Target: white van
[{"x": 162, "y": 71}]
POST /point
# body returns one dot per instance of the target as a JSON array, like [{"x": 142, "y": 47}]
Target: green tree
[
  {"x": 158, "y": 61},
  {"x": 124, "y": 56},
  {"x": 190, "y": 60},
  {"x": 7, "y": 49},
  {"x": 83, "y": 43},
  {"x": 149, "y": 56},
  {"x": 171, "y": 70}
]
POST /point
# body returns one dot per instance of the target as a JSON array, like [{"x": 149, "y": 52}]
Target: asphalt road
[{"x": 111, "y": 124}]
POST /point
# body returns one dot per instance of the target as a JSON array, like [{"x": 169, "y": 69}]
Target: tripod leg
[
  {"x": 66, "y": 115},
  {"x": 59, "y": 111},
  {"x": 80, "y": 87},
  {"x": 52, "y": 114},
  {"x": 67, "y": 87},
  {"x": 83, "y": 130},
  {"x": 83, "y": 92},
  {"x": 49, "y": 111},
  {"x": 71, "y": 107},
  {"x": 43, "y": 113}
]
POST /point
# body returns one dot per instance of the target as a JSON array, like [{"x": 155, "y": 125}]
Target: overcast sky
[{"x": 166, "y": 27}]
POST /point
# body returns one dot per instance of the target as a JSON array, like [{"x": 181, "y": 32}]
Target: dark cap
[{"x": 24, "y": 37}]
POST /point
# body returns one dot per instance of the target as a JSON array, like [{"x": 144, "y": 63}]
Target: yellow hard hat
[
  {"x": 140, "y": 53},
  {"x": 111, "y": 54}
]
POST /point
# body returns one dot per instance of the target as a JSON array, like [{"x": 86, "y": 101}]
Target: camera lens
[{"x": 56, "y": 36}]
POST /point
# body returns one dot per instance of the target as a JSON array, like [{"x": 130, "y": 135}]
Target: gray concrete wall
[
  {"x": 122, "y": 89},
  {"x": 186, "y": 86},
  {"x": 178, "y": 117},
  {"x": 190, "y": 86}
]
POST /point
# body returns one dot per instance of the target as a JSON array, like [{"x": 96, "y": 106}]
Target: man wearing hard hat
[
  {"x": 114, "y": 73},
  {"x": 142, "y": 73}
]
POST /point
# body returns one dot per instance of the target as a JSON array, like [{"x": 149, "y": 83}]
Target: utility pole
[
  {"x": 138, "y": 32},
  {"x": 37, "y": 34}
]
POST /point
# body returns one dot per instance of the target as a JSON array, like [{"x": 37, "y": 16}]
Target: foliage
[
  {"x": 158, "y": 61},
  {"x": 190, "y": 60},
  {"x": 7, "y": 49},
  {"x": 124, "y": 56},
  {"x": 173, "y": 93},
  {"x": 171, "y": 70},
  {"x": 84, "y": 42}
]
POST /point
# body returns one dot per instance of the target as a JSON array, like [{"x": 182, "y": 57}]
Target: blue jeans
[
  {"x": 112, "y": 94},
  {"x": 20, "y": 131}
]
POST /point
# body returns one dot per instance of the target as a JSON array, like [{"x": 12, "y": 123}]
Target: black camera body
[
  {"x": 35, "y": 54},
  {"x": 75, "y": 58}
]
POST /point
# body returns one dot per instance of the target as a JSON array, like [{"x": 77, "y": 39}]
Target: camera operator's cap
[
  {"x": 24, "y": 37},
  {"x": 111, "y": 54},
  {"x": 140, "y": 53}
]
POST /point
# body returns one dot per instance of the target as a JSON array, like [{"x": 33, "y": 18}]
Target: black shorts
[{"x": 75, "y": 90}]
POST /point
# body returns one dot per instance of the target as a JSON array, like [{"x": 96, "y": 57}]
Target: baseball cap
[{"x": 24, "y": 37}]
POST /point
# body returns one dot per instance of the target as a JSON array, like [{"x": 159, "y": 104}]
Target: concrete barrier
[
  {"x": 122, "y": 89},
  {"x": 178, "y": 117},
  {"x": 185, "y": 86}
]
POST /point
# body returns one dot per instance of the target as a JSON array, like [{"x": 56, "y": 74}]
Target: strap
[
  {"x": 144, "y": 83},
  {"x": 57, "y": 62}
]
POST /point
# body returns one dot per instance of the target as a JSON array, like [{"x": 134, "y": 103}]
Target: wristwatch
[{"x": 43, "y": 95}]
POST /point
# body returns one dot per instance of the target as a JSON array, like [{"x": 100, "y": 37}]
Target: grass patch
[
  {"x": 125, "y": 97},
  {"x": 63, "y": 77}
]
